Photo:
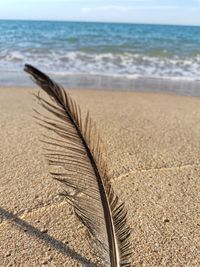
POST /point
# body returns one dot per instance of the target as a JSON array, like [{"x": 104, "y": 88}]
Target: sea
[{"x": 103, "y": 56}]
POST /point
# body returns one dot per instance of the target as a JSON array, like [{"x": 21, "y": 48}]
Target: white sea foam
[{"x": 124, "y": 65}]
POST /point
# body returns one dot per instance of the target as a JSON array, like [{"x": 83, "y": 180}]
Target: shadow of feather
[{"x": 31, "y": 230}]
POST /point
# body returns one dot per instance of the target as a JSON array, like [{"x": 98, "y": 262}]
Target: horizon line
[{"x": 107, "y": 22}]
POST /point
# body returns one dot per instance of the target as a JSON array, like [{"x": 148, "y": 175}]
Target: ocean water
[{"x": 118, "y": 51}]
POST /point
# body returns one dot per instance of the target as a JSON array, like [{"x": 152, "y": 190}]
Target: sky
[{"x": 178, "y": 12}]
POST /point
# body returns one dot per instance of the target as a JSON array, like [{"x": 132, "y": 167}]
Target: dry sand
[{"x": 153, "y": 145}]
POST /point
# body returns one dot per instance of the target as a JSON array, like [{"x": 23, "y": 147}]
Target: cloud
[
  {"x": 104, "y": 8},
  {"x": 66, "y": 1},
  {"x": 124, "y": 8}
]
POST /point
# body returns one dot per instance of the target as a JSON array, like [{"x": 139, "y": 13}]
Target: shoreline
[{"x": 109, "y": 83}]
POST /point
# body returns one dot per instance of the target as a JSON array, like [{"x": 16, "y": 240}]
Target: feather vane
[{"x": 76, "y": 155}]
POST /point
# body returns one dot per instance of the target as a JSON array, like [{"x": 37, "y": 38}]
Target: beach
[{"x": 153, "y": 146}]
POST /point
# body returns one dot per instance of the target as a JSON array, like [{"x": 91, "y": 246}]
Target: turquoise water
[{"x": 122, "y": 50}]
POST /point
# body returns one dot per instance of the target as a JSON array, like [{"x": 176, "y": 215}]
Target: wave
[{"x": 112, "y": 64}]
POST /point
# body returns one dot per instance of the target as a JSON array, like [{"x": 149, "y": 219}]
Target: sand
[{"x": 153, "y": 143}]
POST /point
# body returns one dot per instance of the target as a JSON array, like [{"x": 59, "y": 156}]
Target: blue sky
[{"x": 185, "y": 12}]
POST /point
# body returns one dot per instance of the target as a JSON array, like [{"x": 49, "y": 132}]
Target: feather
[{"x": 75, "y": 152}]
